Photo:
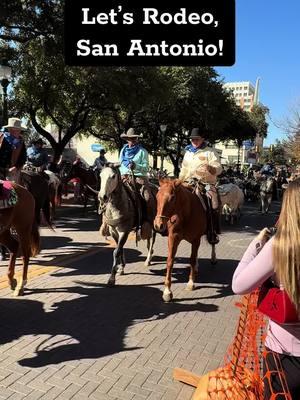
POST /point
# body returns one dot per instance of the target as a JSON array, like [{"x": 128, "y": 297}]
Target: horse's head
[
  {"x": 110, "y": 178},
  {"x": 166, "y": 201}
]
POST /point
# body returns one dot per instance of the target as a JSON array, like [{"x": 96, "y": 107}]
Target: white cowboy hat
[
  {"x": 14, "y": 123},
  {"x": 130, "y": 134}
]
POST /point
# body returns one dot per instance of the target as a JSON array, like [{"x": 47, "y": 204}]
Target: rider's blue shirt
[{"x": 140, "y": 159}]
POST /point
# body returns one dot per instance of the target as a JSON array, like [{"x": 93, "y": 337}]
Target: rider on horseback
[
  {"x": 12, "y": 150},
  {"x": 203, "y": 163},
  {"x": 134, "y": 168},
  {"x": 268, "y": 169},
  {"x": 37, "y": 156}
]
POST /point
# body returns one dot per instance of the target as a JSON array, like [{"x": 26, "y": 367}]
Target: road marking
[{"x": 36, "y": 270}]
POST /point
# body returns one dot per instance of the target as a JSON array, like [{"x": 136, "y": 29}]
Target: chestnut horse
[
  {"x": 20, "y": 218},
  {"x": 180, "y": 211}
]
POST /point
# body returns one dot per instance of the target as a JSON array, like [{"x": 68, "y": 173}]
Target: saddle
[
  {"x": 8, "y": 195},
  {"x": 199, "y": 189}
]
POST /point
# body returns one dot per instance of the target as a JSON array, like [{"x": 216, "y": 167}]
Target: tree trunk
[
  {"x": 154, "y": 161},
  {"x": 176, "y": 169},
  {"x": 57, "y": 152}
]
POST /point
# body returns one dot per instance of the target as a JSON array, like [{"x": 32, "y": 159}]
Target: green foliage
[
  {"x": 258, "y": 119},
  {"x": 276, "y": 153},
  {"x": 104, "y": 102}
]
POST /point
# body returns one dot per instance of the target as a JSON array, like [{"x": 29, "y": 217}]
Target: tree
[
  {"x": 258, "y": 116},
  {"x": 291, "y": 126},
  {"x": 275, "y": 153},
  {"x": 24, "y": 20}
]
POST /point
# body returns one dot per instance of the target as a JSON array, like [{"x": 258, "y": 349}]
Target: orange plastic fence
[{"x": 242, "y": 377}]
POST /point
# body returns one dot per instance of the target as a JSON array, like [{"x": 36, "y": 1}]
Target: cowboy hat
[
  {"x": 15, "y": 123},
  {"x": 130, "y": 134},
  {"x": 197, "y": 133}
]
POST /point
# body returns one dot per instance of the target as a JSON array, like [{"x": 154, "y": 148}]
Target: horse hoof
[
  {"x": 167, "y": 298},
  {"x": 13, "y": 284},
  {"x": 120, "y": 271},
  {"x": 147, "y": 263},
  {"x": 19, "y": 291},
  {"x": 111, "y": 283},
  {"x": 190, "y": 287}
]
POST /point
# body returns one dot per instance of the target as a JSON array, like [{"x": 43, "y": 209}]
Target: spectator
[{"x": 279, "y": 259}]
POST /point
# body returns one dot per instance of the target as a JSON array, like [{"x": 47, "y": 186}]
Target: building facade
[{"x": 246, "y": 96}]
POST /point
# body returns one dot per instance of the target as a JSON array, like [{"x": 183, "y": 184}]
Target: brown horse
[
  {"x": 180, "y": 212},
  {"x": 24, "y": 224}
]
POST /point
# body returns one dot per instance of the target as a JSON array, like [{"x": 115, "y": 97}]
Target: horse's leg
[
  {"x": 122, "y": 263},
  {"x": 115, "y": 236},
  {"x": 213, "y": 257},
  {"x": 116, "y": 254},
  {"x": 12, "y": 244},
  {"x": 262, "y": 205},
  {"x": 193, "y": 264},
  {"x": 25, "y": 245},
  {"x": 173, "y": 242},
  {"x": 2, "y": 253},
  {"x": 150, "y": 244},
  {"x": 120, "y": 259},
  {"x": 269, "y": 203}
]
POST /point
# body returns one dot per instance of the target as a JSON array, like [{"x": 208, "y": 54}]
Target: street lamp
[
  {"x": 5, "y": 76},
  {"x": 163, "y": 129}
]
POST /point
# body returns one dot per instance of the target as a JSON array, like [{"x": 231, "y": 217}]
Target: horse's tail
[
  {"x": 34, "y": 240},
  {"x": 47, "y": 212}
]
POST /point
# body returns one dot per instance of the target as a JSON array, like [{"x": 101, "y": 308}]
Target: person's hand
[
  {"x": 132, "y": 165},
  {"x": 264, "y": 235},
  {"x": 12, "y": 169}
]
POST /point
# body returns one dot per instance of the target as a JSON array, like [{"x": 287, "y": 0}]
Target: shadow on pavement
[{"x": 92, "y": 326}]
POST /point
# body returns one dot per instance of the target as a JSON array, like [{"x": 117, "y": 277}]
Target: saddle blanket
[{"x": 8, "y": 195}]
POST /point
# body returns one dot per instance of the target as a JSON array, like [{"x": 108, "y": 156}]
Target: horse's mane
[{"x": 170, "y": 182}]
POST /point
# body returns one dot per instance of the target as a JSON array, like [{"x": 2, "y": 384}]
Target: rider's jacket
[
  {"x": 194, "y": 160},
  {"x": 136, "y": 154},
  {"x": 12, "y": 152}
]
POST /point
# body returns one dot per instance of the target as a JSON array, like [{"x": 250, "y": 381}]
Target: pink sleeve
[{"x": 253, "y": 268}]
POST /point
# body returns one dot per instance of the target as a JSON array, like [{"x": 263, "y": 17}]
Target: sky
[{"x": 268, "y": 46}]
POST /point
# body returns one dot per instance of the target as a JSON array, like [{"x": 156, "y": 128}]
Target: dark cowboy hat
[
  {"x": 39, "y": 141},
  {"x": 198, "y": 133},
  {"x": 130, "y": 134}
]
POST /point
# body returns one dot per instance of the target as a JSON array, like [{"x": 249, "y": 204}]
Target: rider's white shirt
[{"x": 192, "y": 163}]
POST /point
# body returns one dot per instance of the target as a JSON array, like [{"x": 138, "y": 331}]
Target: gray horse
[
  {"x": 120, "y": 216},
  {"x": 266, "y": 193}
]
